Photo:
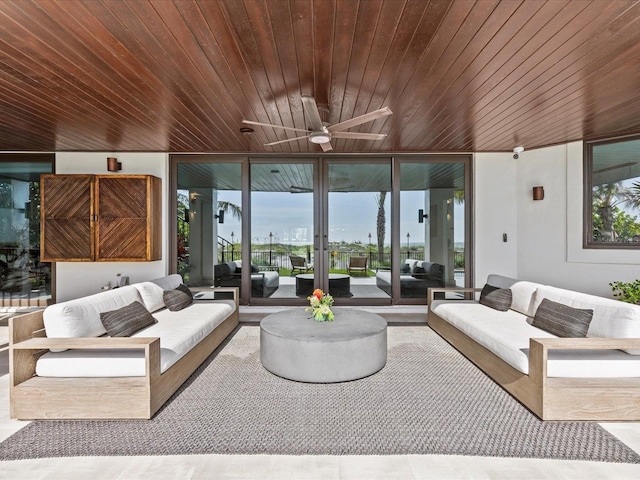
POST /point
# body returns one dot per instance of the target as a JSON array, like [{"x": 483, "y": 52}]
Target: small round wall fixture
[
  {"x": 246, "y": 130},
  {"x": 517, "y": 151}
]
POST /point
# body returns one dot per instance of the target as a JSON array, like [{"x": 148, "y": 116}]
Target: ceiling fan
[{"x": 321, "y": 133}]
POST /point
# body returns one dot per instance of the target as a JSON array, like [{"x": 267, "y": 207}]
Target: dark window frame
[{"x": 587, "y": 200}]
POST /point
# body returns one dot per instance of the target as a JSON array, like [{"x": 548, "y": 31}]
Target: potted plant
[{"x": 627, "y": 291}]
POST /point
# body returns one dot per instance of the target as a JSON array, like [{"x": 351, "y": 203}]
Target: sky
[{"x": 352, "y": 216}]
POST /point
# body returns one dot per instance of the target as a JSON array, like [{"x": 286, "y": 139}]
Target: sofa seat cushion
[
  {"x": 507, "y": 334},
  {"x": 178, "y": 331}
]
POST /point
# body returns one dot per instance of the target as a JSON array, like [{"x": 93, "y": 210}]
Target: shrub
[{"x": 627, "y": 291}]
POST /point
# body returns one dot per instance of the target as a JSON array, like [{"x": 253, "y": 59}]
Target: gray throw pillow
[
  {"x": 419, "y": 272},
  {"x": 496, "y": 298},
  {"x": 177, "y": 299},
  {"x": 126, "y": 321},
  {"x": 562, "y": 320}
]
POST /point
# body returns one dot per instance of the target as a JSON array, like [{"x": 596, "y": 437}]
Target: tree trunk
[{"x": 381, "y": 224}]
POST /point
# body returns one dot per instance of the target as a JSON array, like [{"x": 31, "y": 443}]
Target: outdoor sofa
[
  {"x": 63, "y": 366},
  {"x": 596, "y": 377},
  {"x": 415, "y": 277},
  {"x": 229, "y": 274}
]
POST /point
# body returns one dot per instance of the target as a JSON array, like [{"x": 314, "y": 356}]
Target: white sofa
[
  {"x": 64, "y": 366},
  {"x": 591, "y": 378}
]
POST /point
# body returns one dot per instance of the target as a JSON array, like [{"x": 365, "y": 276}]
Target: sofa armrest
[
  {"x": 431, "y": 291},
  {"x": 23, "y": 355},
  {"x": 539, "y": 351}
]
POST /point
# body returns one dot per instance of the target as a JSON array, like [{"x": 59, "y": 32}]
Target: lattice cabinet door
[
  {"x": 66, "y": 213},
  {"x": 128, "y": 218}
]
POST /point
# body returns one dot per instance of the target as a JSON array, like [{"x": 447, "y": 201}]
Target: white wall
[
  {"x": 77, "y": 279},
  {"x": 496, "y": 213},
  {"x": 550, "y": 231}
]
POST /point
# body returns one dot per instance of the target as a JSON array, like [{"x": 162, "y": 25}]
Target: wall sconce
[
  {"x": 113, "y": 165},
  {"x": 220, "y": 216},
  {"x": 186, "y": 215},
  {"x": 422, "y": 216},
  {"x": 538, "y": 193}
]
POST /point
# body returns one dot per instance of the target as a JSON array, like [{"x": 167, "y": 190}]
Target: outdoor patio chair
[
  {"x": 299, "y": 263},
  {"x": 357, "y": 265}
]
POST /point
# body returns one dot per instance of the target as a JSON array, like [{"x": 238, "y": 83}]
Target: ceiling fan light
[{"x": 320, "y": 138}]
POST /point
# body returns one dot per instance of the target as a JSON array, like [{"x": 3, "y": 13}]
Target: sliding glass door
[
  {"x": 432, "y": 224},
  {"x": 368, "y": 230},
  {"x": 283, "y": 257},
  {"x": 358, "y": 227}
]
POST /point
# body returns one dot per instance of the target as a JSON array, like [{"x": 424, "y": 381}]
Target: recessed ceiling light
[{"x": 246, "y": 130}]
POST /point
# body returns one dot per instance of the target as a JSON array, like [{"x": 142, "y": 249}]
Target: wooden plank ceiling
[{"x": 179, "y": 76}]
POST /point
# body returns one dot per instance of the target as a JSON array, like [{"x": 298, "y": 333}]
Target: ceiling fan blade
[
  {"x": 311, "y": 109},
  {"x": 367, "y": 117},
  {"x": 296, "y": 189},
  {"x": 326, "y": 147},
  {"x": 249, "y": 122},
  {"x": 359, "y": 136},
  {"x": 287, "y": 140}
]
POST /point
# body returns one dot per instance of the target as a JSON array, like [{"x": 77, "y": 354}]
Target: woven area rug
[{"x": 428, "y": 399}]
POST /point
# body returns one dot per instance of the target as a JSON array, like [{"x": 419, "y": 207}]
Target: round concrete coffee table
[{"x": 294, "y": 346}]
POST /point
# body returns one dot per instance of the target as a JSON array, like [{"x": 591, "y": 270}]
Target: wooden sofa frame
[
  {"x": 33, "y": 397},
  {"x": 550, "y": 398}
]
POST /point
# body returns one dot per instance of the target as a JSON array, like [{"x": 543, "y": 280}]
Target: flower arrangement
[{"x": 320, "y": 305}]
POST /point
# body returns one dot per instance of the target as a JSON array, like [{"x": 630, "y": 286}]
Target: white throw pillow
[
  {"x": 524, "y": 297},
  {"x": 151, "y": 294}
]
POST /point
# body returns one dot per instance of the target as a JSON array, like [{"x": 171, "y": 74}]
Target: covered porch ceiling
[{"x": 179, "y": 76}]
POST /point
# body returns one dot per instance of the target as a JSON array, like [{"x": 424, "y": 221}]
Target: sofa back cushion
[
  {"x": 522, "y": 293},
  {"x": 81, "y": 317},
  {"x": 428, "y": 268},
  {"x": 611, "y": 318},
  {"x": 170, "y": 282},
  {"x": 412, "y": 264}
]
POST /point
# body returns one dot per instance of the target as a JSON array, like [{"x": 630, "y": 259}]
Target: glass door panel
[
  {"x": 24, "y": 279},
  {"x": 282, "y": 230},
  {"x": 432, "y": 227},
  {"x": 358, "y": 229},
  {"x": 209, "y": 223}
]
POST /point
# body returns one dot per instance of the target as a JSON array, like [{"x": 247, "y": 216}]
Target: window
[{"x": 612, "y": 194}]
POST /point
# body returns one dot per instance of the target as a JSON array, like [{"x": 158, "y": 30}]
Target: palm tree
[
  {"x": 381, "y": 224},
  {"x": 228, "y": 207},
  {"x": 606, "y": 198}
]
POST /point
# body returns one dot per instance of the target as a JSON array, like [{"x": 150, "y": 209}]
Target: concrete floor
[{"x": 404, "y": 467}]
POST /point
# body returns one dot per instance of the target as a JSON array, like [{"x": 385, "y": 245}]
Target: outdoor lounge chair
[
  {"x": 299, "y": 263},
  {"x": 357, "y": 265}
]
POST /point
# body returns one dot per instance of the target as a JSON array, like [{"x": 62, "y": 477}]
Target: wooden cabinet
[{"x": 105, "y": 218}]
